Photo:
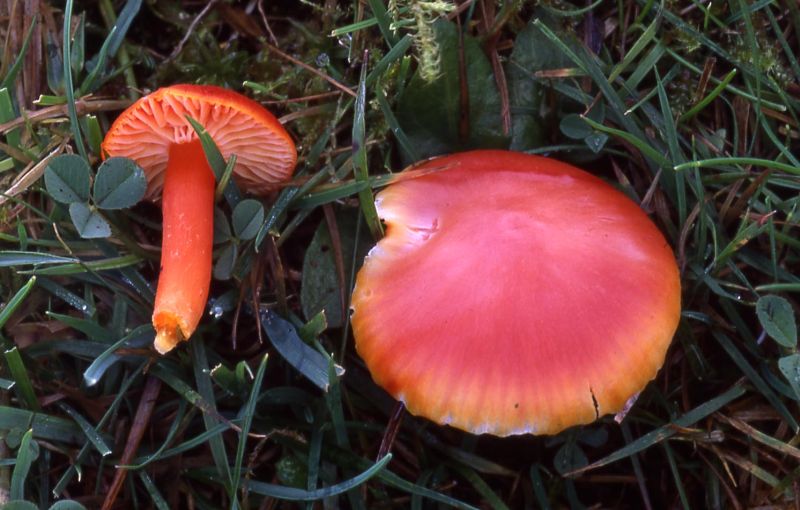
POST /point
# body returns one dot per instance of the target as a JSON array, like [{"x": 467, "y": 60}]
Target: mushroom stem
[{"x": 188, "y": 210}]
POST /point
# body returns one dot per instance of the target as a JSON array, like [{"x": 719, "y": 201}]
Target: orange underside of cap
[
  {"x": 514, "y": 294},
  {"x": 266, "y": 155}
]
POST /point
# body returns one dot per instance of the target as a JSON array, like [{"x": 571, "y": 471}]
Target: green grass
[{"x": 691, "y": 109}]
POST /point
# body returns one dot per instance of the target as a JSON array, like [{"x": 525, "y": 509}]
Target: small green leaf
[
  {"x": 534, "y": 107},
  {"x": 431, "y": 114},
  {"x": 573, "y": 126},
  {"x": 227, "y": 380},
  {"x": 222, "y": 230},
  {"x": 314, "y": 327},
  {"x": 19, "y": 504},
  {"x": 569, "y": 458},
  {"x": 777, "y": 317},
  {"x": 306, "y": 360},
  {"x": 67, "y": 504},
  {"x": 593, "y": 437},
  {"x": 89, "y": 223},
  {"x": 790, "y": 368},
  {"x": 67, "y": 179},
  {"x": 596, "y": 141},
  {"x": 291, "y": 471},
  {"x": 320, "y": 286},
  {"x": 120, "y": 183},
  {"x": 55, "y": 66},
  {"x": 247, "y": 218},
  {"x": 94, "y": 134},
  {"x": 224, "y": 266}
]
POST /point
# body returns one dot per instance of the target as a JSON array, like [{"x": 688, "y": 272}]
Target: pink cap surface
[{"x": 514, "y": 294}]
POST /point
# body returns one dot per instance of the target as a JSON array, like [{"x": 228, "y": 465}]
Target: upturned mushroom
[
  {"x": 155, "y": 133},
  {"x": 514, "y": 294}
]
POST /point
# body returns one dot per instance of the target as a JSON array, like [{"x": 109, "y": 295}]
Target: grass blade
[
  {"x": 68, "y": 87},
  {"x": 155, "y": 495},
  {"x": 718, "y": 162},
  {"x": 11, "y": 76},
  {"x": 384, "y": 20},
  {"x": 365, "y": 196},
  {"x": 664, "y": 432},
  {"x": 157, "y": 455},
  {"x": 90, "y": 266},
  {"x": 10, "y": 258},
  {"x": 22, "y": 381},
  {"x": 538, "y": 487},
  {"x": 138, "y": 338},
  {"x": 482, "y": 487},
  {"x": 88, "y": 430},
  {"x": 202, "y": 377},
  {"x": 756, "y": 379},
  {"x": 25, "y": 457},
  {"x": 216, "y": 161},
  {"x": 293, "y": 494},
  {"x": 8, "y": 310},
  {"x": 247, "y": 420}
]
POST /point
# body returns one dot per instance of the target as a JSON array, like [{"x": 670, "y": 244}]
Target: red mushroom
[
  {"x": 514, "y": 294},
  {"x": 155, "y": 133}
]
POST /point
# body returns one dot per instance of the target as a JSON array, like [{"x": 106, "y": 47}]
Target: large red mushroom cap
[{"x": 514, "y": 294}]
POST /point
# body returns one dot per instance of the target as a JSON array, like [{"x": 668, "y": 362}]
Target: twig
[
  {"x": 191, "y": 29},
  {"x": 313, "y": 97},
  {"x": 307, "y": 67},
  {"x": 458, "y": 10},
  {"x": 31, "y": 174},
  {"x": 391, "y": 430},
  {"x": 308, "y": 112},
  {"x": 463, "y": 121},
  {"x": 51, "y": 112},
  {"x": 338, "y": 257},
  {"x": 152, "y": 387},
  {"x": 490, "y": 47},
  {"x": 266, "y": 22}
]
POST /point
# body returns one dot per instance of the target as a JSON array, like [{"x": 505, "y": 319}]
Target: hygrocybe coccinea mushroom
[
  {"x": 155, "y": 133},
  {"x": 514, "y": 294}
]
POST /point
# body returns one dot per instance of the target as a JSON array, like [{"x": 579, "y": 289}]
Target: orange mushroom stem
[
  {"x": 155, "y": 133},
  {"x": 188, "y": 210}
]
